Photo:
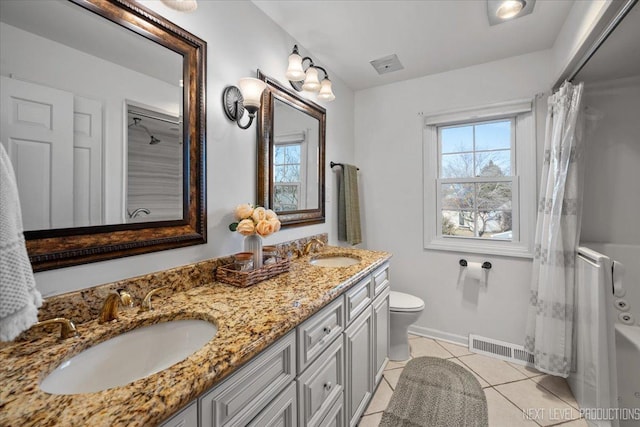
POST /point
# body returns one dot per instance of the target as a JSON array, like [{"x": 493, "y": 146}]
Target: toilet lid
[{"x": 399, "y": 301}]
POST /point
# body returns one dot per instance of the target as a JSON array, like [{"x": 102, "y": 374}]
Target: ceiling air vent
[{"x": 387, "y": 64}]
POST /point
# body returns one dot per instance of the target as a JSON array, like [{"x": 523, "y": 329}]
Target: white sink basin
[
  {"x": 129, "y": 357},
  {"x": 334, "y": 261}
]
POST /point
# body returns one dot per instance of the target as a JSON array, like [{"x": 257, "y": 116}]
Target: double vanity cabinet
[{"x": 322, "y": 373}]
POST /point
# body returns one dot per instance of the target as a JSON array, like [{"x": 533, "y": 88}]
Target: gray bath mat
[{"x": 434, "y": 392}]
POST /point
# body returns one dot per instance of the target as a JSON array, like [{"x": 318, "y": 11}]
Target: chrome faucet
[
  {"x": 67, "y": 327},
  {"x": 146, "y": 302},
  {"x": 109, "y": 310},
  {"x": 310, "y": 244},
  {"x": 137, "y": 212}
]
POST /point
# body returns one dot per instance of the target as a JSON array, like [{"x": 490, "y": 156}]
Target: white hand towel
[{"x": 19, "y": 298}]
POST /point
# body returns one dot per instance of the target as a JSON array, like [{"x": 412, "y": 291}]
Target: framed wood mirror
[
  {"x": 121, "y": 101},
  {"x": 291, "y": 155}
]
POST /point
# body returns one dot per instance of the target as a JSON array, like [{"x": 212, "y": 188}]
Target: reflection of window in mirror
[
  {"x": 289, "y": 171},
  {"x": 154, "y": 165}
]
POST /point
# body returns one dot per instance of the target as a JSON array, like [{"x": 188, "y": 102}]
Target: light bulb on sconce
[
  {"x": 247, "y": 97},
  {"x": 309, "y": 79}
]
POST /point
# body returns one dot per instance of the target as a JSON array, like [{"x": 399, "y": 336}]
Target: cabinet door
[
  {"x": 282, "y": 412},
  {"x": 188, "y": 417},
  {"x": 239, "y": 398},
  {"x": 358, "y": 343},
  {"x": 380, "y": 333},
  {"x": 335, "y": 415},
  {"x": 321, "y": 384}
]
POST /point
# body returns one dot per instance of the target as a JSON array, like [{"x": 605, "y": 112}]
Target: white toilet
[{"x": 404, "y": 310}]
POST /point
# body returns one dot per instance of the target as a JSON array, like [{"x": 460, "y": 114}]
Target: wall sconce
[
  {"x": 247, "y": 97},
  {"x": 308, "y": 79}
]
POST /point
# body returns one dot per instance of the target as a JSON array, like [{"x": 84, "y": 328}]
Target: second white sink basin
[
  {"x": 129, "y": 357},
  {"x": 334, "y": 261}
]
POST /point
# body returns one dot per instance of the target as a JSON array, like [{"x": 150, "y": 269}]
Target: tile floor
[{"x": 516, "y": 395}]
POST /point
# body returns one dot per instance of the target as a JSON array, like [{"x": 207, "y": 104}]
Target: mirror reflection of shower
[{"x": 155, "y": 153}]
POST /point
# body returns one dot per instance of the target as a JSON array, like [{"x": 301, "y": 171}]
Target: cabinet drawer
[
  {"x": 188, "y": 417},
  {"x": 315, "y": 334},
  {"x": 239, "y": 398},
  {"x": 380, "y": 280},
  {"x": 358, "y": 298},
  {"x": 281, "y": 412},
  {"x": 335, "y": 416},
  {"x": 321, "y": 384}
]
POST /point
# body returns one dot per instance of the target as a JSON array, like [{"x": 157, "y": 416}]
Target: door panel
[{"x": 36, "y": 127}]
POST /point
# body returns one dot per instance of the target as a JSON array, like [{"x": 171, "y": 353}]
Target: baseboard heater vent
[{"x": 500, "y": 350}]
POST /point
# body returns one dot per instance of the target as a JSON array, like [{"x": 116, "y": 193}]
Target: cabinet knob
[
  {"x": 327, "y": 330},
  {"x": 328, "y": 386}
]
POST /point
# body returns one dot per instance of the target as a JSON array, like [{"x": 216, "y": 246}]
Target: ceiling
[{"x": 429, "y": 36}]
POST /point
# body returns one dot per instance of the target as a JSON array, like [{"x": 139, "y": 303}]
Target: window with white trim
[{"x": 480, "y": 180}]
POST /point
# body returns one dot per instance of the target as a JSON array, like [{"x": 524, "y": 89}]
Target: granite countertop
[{"x": 248, "y": 320}]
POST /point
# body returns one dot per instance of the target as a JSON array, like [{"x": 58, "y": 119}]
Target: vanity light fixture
[
  {"x": 247, "y": 97},
  {"x": 308, "y": 79},
  {"x": 181, "y": 5}
]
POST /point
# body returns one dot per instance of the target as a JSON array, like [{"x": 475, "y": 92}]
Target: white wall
[
  {"x": 388, "y": 150},
  {"x": 240, "y": 40},
  {"x": 611, "y": 196}
]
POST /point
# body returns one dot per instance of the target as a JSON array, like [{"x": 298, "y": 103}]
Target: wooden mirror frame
[
  {"x": 265, "y": 151},
  {"x": 56, "y": 248}
]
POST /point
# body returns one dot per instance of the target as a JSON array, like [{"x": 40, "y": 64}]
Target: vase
[{"x": 253, "y": 244}]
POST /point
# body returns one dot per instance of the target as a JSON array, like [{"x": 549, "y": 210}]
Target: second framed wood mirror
[{"x": 291, "y": 155}]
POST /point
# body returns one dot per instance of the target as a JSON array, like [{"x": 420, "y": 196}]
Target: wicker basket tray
[{"x": 243, "y": 279}]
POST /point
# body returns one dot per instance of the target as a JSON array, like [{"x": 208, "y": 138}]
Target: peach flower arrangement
[{"x": 254, "y": 220}]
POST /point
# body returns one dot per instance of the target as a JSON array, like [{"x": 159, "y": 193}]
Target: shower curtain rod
[{"x": 149, "y": 116}]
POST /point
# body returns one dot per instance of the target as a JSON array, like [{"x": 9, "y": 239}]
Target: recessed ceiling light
[
  {"x": 509, "y": 8},
  {"x": 500, "y": 11}
]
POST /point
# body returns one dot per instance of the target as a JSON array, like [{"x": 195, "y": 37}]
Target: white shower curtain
[{"x": 549, "y": 333}]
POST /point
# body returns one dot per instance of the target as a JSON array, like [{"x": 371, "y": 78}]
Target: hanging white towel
[{"x": 19, "y": 298}]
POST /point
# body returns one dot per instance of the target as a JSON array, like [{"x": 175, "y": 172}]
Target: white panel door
[
  {"x": 36, "y": 128},
  {"x": 87, "y": 162}
]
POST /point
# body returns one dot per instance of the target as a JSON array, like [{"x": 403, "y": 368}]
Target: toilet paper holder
[{"x": 486, "y": 265}]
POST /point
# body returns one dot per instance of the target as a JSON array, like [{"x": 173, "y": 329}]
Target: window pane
[
  {"x": 492, "y": 136},
  {"x": 456, "y": 139},
  {"x": 290, "y": 173},
  {"x": 493, "y": 163},
  {"x": 457, "y": 196},
  {"x": 293, "y": 154},
  {"x": 279, "y": 173},
  {"x": 278, "y": 154},
  {"x": 457, "y": 165},
  {"x": 457, "y": 223},
  {"x": 285, "y": 198},
  {"x": 494, "y": 225},
  {"x": 493, "y": 195}
]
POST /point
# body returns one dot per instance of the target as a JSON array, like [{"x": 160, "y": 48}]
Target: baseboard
[{"x": 439, "y": 335}]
